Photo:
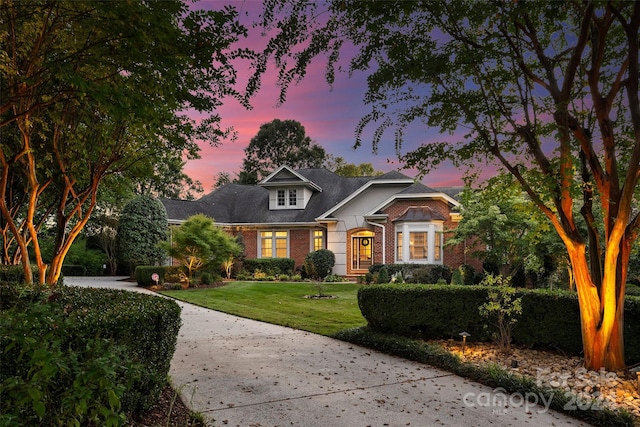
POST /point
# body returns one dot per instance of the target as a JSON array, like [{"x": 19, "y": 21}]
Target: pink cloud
[{"x": 330, "y": 117}]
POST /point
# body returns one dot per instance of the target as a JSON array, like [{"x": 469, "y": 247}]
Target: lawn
[{"x": 282, "y": 304}]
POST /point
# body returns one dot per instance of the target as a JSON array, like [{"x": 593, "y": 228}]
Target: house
[{"x": 386, "y": 219}]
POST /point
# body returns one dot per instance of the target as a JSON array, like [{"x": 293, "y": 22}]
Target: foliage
[
  {"x": 143, "y": 223},
  {"x": 198, "y": 242},
  {"x": 510, "y": 231},
  {"x": 272, "y": 266},
  {"x": 144, "y": 275},
  {"x": 72, "y": 74},
  {"x": 501, "y": 307},
  {"x": 548, "y": 90},
  {"x": 415, "y": 273},
  {"x": 443, "y": 311},
  {"x": 340, "y": 167},
  {"x": 490, "y": 375},
  {"x": 278, "y": 143},
  {"x": 383, "y": 275},
  {"x": 318, "y": 264},
  {"x": 83, "y": 356},
  {"x": 146, "y": 325}
]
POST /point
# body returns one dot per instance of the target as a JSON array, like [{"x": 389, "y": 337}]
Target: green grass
[{"x": 282, "y": 304}]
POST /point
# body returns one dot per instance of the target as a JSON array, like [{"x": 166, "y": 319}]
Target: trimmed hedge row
[
  {"x": 14, "y": 274},
  {"x": 83, "y": 356},
  {"x": 550, "y": 318},
  {"x": 270, "y": 266}
]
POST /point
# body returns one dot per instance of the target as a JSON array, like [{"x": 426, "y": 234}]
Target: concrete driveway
[{"x": 240, "y": 372}]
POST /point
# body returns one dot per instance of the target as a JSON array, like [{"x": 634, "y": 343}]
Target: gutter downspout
[{"x": 384, "y": 240}]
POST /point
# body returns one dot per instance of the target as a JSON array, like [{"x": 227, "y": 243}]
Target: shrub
[
  {"x": 502, "y": 307},
  {"x": 14, "y": 274},
  {"x": 549, "y": 318},
  {"x": 83, "y": 356},
  {"x": 271, "y": 266},
  {"x": 46, "y": 378},
  {"x": 146, "y": 325},
  {"x": 383, "y": 276},
  {"x": 174, "y": 274},
  {"x": 144, "y": 275},
  {"x": 318, "y": 264}
]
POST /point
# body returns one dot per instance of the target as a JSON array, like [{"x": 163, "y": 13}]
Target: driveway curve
[{"x": 241, "y": 372}]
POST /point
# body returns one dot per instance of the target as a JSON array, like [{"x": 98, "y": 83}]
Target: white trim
[
  {"x": 415, "y": 196},
  {"x": 362, "y": 189},
  {"x": 429, "y": 227},
  {"x": 274, "y": 240},
  {"x": 384, "y": 242},
  {"x": 302, "y": 180}
]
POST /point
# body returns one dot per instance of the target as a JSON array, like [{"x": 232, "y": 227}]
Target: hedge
[
  {"x": 271, "y": 266},
  {"x": 415, "y": 273},
  {"x": 144, "y": 275},
  {"x": 550, "y": 319},
  {"x": 83, "y": 356},
  {"x": 14, "y": 274}
]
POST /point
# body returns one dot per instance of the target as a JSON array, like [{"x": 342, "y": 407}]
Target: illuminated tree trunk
[{"x": 601, "y": 320}]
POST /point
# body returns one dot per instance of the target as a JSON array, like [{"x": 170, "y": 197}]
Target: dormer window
[{"x": 287, "y": 198}]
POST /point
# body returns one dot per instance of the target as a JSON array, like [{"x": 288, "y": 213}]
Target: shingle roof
[
  {"x": 249, "y": 204},
  {"x": 420, "y": 213}
]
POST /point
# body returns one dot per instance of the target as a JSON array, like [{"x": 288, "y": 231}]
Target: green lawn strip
[{"x": 282, "y": 304}]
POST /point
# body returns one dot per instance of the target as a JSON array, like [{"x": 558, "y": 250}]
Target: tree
[
  {"x": 278, "y": 143},
  {"x": 548, "y": 88},
  {"x": 340, "y": 167},
  {"x": 197, "y": 242},
  {"x": 143, "y": 223},
  {"x": 97, "y": 89},
  {"x": 514, "y": 235}
]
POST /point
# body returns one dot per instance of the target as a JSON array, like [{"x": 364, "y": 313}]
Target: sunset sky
[{"x": 329, "y": 115}]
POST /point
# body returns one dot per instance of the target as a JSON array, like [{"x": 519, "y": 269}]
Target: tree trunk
[{"x": 603, "y": 344}]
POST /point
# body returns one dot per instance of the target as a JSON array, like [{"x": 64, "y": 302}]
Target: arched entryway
[{"x": 362, "y": 250}]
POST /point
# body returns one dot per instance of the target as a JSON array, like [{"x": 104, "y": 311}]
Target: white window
[
  {"x": 274, "y": 244},
  {"x": 286, "y": 198},
  {"x": 418, "y": 245},
  {"x": 419, "y": 242}
]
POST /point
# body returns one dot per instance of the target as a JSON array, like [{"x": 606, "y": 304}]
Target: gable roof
[{"x": 284, "y": 175}]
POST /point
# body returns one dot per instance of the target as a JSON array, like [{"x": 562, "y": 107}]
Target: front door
[{"x": 362, "y": 251}]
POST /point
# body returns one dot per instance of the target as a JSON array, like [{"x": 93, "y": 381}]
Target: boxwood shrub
[
  {"x": 144, "y": 274},
  {"x": 550, "y": 319},
  {"x": 415, "y": 273},
  {"x": 270, "y": 266},
  {"x": 83, "y": 356}
]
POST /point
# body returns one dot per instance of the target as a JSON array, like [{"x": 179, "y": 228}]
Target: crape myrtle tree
[
  {"x": 546, "y": 88},
  {"x": 92, "y": 89},
  {"x": 278, "y": 143}
]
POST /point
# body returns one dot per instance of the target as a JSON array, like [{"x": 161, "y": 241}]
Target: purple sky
[{"x": 329, "y": 115}]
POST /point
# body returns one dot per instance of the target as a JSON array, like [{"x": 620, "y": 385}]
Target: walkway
[{"x": 241, "y": 372}]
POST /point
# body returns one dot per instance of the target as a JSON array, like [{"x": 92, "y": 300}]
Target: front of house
[{"x": 388, "y": 219}]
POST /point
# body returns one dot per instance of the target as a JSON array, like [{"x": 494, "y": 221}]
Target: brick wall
[{"x": 452, "y": 256}]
